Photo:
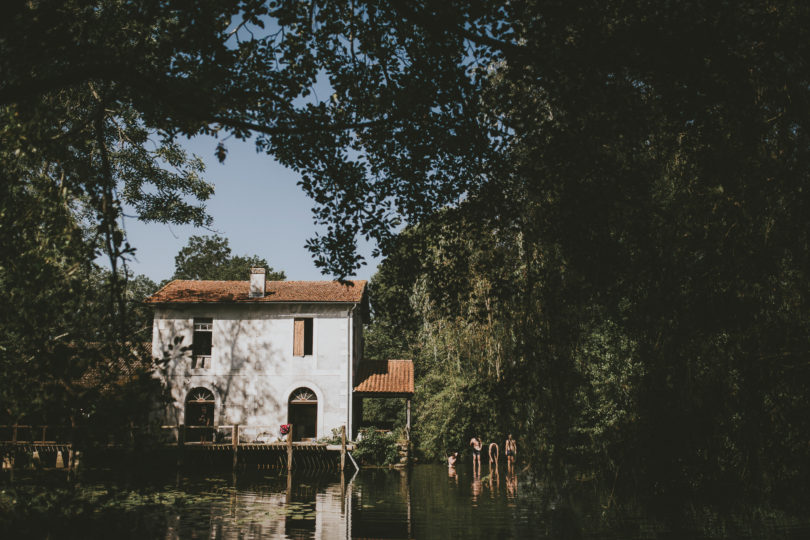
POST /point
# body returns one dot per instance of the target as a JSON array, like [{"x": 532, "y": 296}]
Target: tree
[
  {"x": 58, "y": 356},
  {"x": 239, "y": 68},
  {"x": 74, "y": 150},
  {"x": 209, "y": 257},
  {"x": 649, "y": 160},
  {"x": 643, "y": 162}
]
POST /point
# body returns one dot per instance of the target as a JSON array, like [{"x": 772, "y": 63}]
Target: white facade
[{"x": 253, "y": 370}]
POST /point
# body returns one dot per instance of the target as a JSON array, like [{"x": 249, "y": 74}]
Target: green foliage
[
  {"x": 60, "y": 327},
  {"x": 209, "y": 257},
  {"x": 386, "y": 413},
  {"x": 376, "y": 448},
  {"x": 508, "y": 340},
  {"x": 76, "y": 148},
  {"x": 607, "y": 204},
  {"x": 626, "y": 262},
  {"x": 334, "y": 438},
  {"x": 140, "y": 287}
]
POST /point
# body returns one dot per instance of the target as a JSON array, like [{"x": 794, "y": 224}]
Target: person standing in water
[
  {"x": 451, "y": 465},
  {"x": 511, "y": 451},
  {"x": 493, "y": 454},
  {"x": 475, "y": 442}
]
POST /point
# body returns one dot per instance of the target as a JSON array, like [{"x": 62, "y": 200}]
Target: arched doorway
[
  {"x": 302, "y": 413},
  {"x": 200, "y": 404}
]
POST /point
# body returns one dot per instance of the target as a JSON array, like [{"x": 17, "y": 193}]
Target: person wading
[
  {"x": 475, "y": 442},
  {"x": 511, "y": 452},
  {"x": 493, "y": 454}
]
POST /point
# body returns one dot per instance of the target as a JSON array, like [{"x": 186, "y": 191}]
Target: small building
[
  {"x": 385, "y": 379},
  {"x": 264, "y": 353}
]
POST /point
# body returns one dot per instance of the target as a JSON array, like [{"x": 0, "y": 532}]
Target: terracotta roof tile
[
  {"x": 141, "y": 361},
  {"x": 384, "y": 378},
  {"x": 188, "y": 291}
]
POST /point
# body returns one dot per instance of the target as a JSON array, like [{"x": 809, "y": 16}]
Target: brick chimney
[{"x": 256, "y": 282}]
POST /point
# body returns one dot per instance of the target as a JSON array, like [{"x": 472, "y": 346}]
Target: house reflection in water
[
  {"x": 381, "y": 506},
  {"x": 301, "y": 506}
]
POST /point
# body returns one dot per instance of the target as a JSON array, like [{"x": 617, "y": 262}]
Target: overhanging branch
[
  {"x": 292, "y": 129},
  {"x": 509, "y": 50}
]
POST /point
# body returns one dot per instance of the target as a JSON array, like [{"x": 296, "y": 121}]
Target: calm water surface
[{"x": 426, "y": 502}]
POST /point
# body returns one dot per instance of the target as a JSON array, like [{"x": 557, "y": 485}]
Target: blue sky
[{"x": 256, "y": 205}]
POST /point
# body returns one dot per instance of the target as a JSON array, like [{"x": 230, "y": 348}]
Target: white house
[{"x": 260, "y": 353}]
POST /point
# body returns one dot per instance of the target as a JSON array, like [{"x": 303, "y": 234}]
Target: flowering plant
[{"x": 285, "y": 428}]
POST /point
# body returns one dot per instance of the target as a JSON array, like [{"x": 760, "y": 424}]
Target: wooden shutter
[{"x": 298, "y": 337}]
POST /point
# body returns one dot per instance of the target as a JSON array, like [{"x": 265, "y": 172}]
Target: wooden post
[
  {"x": 14, "y": 435},
  {"x": 181, "y": 441},
  {"x": 235, "y": 443},
  {"x": 342, "y": 447},
  {"x": 408, "y": 419},
  {"x": 44, "y": 428},
  {"x": 72, "y": 444},
  {"x": 288, "y": 497},
  {"x": 289, "y": 449}
]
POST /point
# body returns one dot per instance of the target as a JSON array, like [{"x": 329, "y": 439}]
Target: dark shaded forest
[{"x": 593, "y": 214}]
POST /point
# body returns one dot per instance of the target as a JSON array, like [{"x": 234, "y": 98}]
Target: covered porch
[{"x": 388, "y": 379}]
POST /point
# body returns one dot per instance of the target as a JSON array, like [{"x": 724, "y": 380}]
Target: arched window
[
  {"x": 200, "y": 405},
  {"x": 302, "y": 413},
  {"x": 303, "y": 395}
]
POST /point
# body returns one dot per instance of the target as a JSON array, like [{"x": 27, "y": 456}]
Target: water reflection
[
  {"x": 494, "y": 481},
  {"x": 429, "y": 501},
  {"x": 296, "y": 506},
  {"x": 511, "y": 485},
  {"x": 373, "y": 504},
  {"x": 476, "y": 484}
]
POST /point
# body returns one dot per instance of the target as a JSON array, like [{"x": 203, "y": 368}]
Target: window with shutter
[
  {"x": 302, "y": 337},
  {"x": 201, "y": 344}
]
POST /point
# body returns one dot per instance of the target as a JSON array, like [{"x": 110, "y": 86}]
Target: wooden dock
[{"x": 193, "y": 445}]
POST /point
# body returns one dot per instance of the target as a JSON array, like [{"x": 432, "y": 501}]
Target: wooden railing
[
  {"x": 225, "y": 433},
  {"x": 234, "y": 440},
  {"x": 227, "y": 436},
  {"x": 31, "y": 434}
]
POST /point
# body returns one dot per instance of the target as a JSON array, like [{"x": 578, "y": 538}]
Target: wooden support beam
[
  {"x": 408, "y": 418},
  {"x": 72, "y": 442},
  {"x": 289, "y": 448},
  {"x": 181, "y": 441},
  {"x": 289, "y": 484},
  {"x": 342, "y": 447},
  {"x": 235, "y": 442}
]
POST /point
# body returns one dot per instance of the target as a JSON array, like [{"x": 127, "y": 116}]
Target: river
[{"x": 427, "y": 501}]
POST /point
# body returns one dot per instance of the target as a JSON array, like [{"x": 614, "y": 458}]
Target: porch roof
[{"x": 388, "y": 378}]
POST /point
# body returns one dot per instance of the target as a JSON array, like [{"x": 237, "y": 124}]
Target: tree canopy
[
  {"x": 612, "y": 191},
  {"x": 427, "y": 104},
  {"x": 209, "y": 257}
]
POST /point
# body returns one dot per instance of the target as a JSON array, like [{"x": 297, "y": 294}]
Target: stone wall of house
[{"x": 253, "y": 370}]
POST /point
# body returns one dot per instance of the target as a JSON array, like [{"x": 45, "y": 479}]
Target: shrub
[
  {"x": 376, "y": 448},
  {"x": 334, "y": 438}
]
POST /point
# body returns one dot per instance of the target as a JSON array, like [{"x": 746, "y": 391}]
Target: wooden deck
[{"x": 235, "y": 451}]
